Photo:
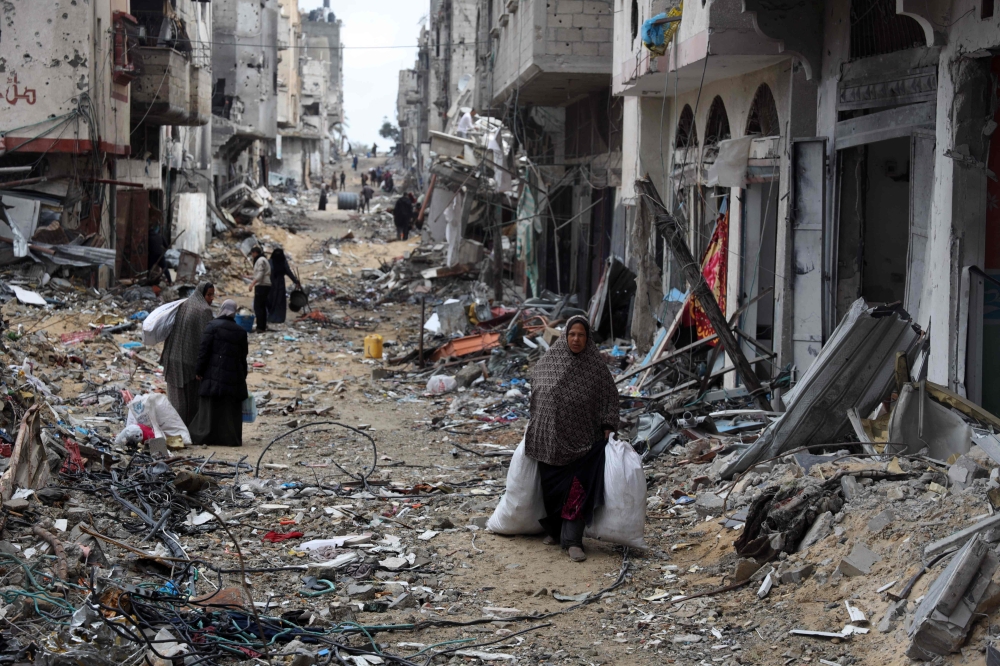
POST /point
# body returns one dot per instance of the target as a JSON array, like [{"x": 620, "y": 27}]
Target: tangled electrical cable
[{"x": 363, "y": 478}]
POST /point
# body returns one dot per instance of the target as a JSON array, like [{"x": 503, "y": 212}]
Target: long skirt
[
  {"x": 219, "y": 422},
  {"x": 185, "y": 399},
  {"x": 573, "y": 492},
  {"x": 277, "y": 301}
]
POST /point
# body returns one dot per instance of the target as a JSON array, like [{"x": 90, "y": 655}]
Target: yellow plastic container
[{"x": 373, "y": 346}]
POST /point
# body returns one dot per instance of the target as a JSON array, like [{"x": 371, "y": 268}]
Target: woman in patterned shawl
[
  {"x": 180, "y": 351},
  {"x": 574, "y": 409}
]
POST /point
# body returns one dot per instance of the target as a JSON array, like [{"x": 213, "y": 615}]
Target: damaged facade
[
  {"x": 826, "y": 153},
  {"x": 128, "y": 115}
]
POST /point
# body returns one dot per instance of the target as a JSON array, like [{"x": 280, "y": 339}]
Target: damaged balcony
[
  {"x": 724, "y": 30},
  {"x": 170, "y": 90}
]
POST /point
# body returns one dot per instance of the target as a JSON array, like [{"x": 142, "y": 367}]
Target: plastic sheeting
[{"x": 730, "y": 167}]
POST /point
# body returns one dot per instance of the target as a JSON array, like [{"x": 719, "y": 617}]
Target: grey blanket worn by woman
[
  {"x": 573, "y": 400},
  {"x": 180, "y": 352}
]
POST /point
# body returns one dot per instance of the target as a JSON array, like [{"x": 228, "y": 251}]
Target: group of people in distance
[{"x": 205, "y": 356}]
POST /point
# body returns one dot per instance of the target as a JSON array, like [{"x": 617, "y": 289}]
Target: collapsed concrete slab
[
  {"x": 943, "y": 619},
  {"x": 855, "y": 369}
]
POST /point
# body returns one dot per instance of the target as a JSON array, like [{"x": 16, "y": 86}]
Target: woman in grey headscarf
[
  {"x": 180, "y": 351},
  {"x": 574, "y": 409}
]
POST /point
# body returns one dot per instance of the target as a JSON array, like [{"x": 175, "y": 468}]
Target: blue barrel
[{"x": 246, "y": 321}]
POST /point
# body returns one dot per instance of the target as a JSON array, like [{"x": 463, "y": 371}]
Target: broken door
[{"x": 132, "y": 233}]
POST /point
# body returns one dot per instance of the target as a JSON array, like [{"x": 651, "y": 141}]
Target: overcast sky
[{"x": 371, "y": 75}]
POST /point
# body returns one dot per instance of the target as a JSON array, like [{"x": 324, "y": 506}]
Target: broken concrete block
[
  {"x": 468, "y": 374},
  {"x": 881, "y": 521},
  {"x": 850, "y": 488},
  {"x": 960, "y": 537},
  {"x": 363, "y": 592},
  {"x": 744, "y": 570},
  {"x": 895, "y": 611},
  {"x": 963, "y": 472},
  {"x": 820, "y": 529},
  {"x": 859, "y": 562},
  {"x": 896, "y": 493},
  {"x": 942, "y": 621},
  {"x": 796, "y": 575},
  {"x": 708, "y": 504},
  {"x": 762, "y": 573}
]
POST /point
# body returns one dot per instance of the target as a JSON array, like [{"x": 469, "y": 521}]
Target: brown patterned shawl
[
  {"x": 573, "y": 399},
  {"x": 180, "y": 351}
]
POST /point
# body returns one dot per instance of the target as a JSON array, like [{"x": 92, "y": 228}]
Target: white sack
[
  {"x": 157, "y": 326},
  {"x": 155, "y": 411},
  {"x": 521, "y": 506},
  {"x": 622, "y": 519}
]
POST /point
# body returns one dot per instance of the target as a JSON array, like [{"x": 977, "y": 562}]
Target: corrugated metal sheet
[{"x": 854, "y": 369}]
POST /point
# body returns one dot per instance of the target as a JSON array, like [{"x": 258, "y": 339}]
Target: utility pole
[{"x": 673, "y": 232}]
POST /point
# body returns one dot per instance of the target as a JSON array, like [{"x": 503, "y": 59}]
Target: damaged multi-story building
[
  {"x": 823, "y": 151},
  {"x": 130, "y": 117}
]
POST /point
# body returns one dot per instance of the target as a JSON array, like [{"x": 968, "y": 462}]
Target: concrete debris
[
  {"x": 881, "y": 521},
  {"x": 961, "y": 537},
  {"x": 942, "y": 620},
  {"x": 820, "y": 529},
  {"x": 859, "y": 562}
]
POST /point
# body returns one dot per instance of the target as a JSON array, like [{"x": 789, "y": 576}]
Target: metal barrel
[{"x": 347, "y": 201}]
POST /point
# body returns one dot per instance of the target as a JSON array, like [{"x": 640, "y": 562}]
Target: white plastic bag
[
  {"x": 155, "y": 411},
  {"x": 157, "y": 326},
  {"x": 522, "y": 505},
  {"x": 439, "y": 384},
  {"x": 622, "y": 519}
]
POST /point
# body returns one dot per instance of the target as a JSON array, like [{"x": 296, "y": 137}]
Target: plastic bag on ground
[
  {"x": 521, "y": 506},
  {"x": 157, "y": 326},
  {"x": 622, "y": 519},
  {"x": 130, "y": 434},
  {"x": 155, "y": 411},
  {"x": 439, "y": 384}
]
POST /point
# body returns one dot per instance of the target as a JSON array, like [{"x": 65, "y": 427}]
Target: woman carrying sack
[
  {"x": 180, "y": 351},
  {"x": 574, "y": 409},
  {"x": 222, "y": 369}
]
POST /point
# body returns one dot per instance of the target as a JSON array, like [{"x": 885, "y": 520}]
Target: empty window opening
[
  {"x": 717, "y": 128},
  {"x": 876, "y": 29},
  {"x": 763, "y": 118}
]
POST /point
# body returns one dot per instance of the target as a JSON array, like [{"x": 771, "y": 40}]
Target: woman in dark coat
[
  {"x": 277, "y": 299},
  {"x": 222, "y": 369},
  {"x": 574, "y": 409},
  {"x": 323, "y": 198}
]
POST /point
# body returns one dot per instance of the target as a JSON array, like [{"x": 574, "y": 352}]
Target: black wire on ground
[{"x": 363, "y": 478}]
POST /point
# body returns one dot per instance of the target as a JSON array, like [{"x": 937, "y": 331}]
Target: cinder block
[
  {"x": 598, "y": 35},
  {"x": 859, "y": 562},
  {"x": 569, "y": 7},
  {"x": 596, "y": 7},
  {"x": 586, "y": 21}
]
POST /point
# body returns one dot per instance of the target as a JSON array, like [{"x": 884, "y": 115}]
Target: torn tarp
[{"x": 855, "y": 369}]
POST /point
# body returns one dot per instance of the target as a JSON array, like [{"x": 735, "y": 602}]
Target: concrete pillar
[{"x": 801, "y": 121}]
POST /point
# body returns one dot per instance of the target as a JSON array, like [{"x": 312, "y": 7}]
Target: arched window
[
  {"x": 687, "y": 133},
  {"x": 876, "y": 28},
  {"x": 763, "y": 118},
  {"x": 717, "y": 128}
]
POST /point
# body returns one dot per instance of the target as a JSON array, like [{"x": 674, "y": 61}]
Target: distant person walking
[
  {"x": 343, "y": 181},
  {"x": 222, "y": 370},
  {"x": 364, "y": 179},
  {"x": 374, "y": 150},
  {"x": 180, "y": 351},
  {"x": 402, "y": 216},
  {"x": 323, "y": 198},
  {"x": 354, "y": 163},
  {"x": 261, "y": 287},
  {"x": 366, "y": 197}
]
